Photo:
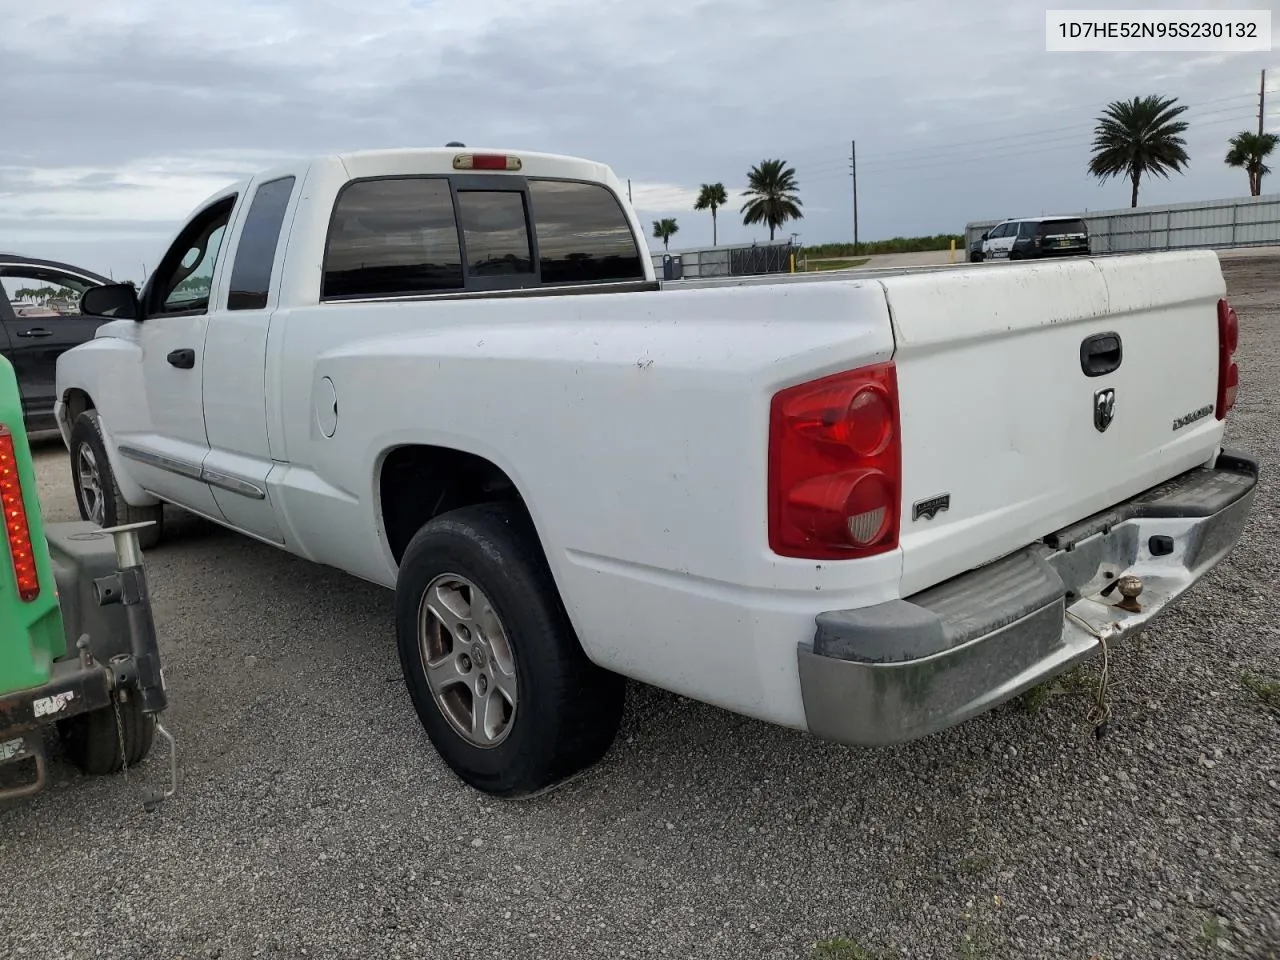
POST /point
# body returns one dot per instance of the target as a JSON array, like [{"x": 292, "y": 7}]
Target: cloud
[
  {"x": 676, "y": 198},
  {"x": 121, "y": 116}
]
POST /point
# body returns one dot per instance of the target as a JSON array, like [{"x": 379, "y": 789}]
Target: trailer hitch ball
[{"x": 1130, "y": 589}]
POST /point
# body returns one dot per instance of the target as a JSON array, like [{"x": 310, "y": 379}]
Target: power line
[
  {"x": 881, "y": 183},
  {"x": 950, "y": 152},
  {"x": 1200, "y": 121},
  {"x": 1041, "y": 146},
  {"x": 1074, "y": 129}
]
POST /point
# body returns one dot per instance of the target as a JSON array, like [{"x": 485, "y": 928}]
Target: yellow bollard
[
  {"x": 793, "y": 263},
  {"x": 953, "y": 249}
]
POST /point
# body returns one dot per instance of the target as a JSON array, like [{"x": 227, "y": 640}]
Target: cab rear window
[
  {"x": 583, "y": 235},
  {"x": 407, "y": 236},
  {"x": 393, "y": 236}
]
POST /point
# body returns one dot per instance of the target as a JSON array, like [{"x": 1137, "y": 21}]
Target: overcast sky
[{"x": 120, "y": 116}]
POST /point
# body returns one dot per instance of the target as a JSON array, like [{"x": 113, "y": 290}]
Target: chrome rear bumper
[{"x": 901, "y": 670}]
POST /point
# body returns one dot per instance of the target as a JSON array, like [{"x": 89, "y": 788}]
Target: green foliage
[
  {"x": 711, "y": 196},
  {"x": 941, "y": 241},
  {"x": 46, "y": 293},
  {"x": 665, "y": 229},
  {"x": 772, "y": 197},
  {"x": 1249, "y": 150},
  {"x": 1264, "y": 688},
  {"x": 1138, "y": 136}
]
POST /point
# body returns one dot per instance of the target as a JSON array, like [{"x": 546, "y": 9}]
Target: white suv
[{"x": 1033, "y": 237}]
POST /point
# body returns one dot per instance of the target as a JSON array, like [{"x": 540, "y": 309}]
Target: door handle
[
  {"x": 36, "y": 332},
  {"x": 1101, "y": 354},
  {"x": 183, "y": 359}
]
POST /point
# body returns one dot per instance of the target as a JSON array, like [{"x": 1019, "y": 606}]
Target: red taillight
[
  {"x": 15, "y": 520},
  {"x": 1228, "y": 372},
  {"x": 835, "y": 465},
  {"x": 486, "y": 161}
]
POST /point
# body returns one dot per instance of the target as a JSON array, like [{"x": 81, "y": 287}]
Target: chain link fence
[
  {"x": 1242, "y": 222},
  {"x": 737, "y": 260}
]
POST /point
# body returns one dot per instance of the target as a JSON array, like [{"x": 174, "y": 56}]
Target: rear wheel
[
  {"x": 492, "y": 664},
  {"x": 98, "y": 745},
  {"x": 97, "y": 494}
]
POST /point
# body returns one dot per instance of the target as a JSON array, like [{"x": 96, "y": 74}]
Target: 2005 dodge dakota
[{"x": 867, "y": 505}]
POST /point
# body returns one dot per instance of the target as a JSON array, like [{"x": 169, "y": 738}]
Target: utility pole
[
  {"x": 1262, "y": 105},
  {"x": 1262, "y": 100},
  {"x": 628, "y": 189},
  {"x": 853, "y": 167}
]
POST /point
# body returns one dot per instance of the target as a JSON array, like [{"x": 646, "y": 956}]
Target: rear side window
[
  {"x": 496, "y": 233},
  {"x": 256, "y": 249},
  {"x": 1057, "y": 228},
  {"x": 390, "y": 237},
  {"x": 583, "y": 235},
  {"x": 1026, "y": 230}
]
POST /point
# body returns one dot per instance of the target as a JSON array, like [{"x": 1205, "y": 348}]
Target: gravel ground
[{"x": 315, "y": 819}]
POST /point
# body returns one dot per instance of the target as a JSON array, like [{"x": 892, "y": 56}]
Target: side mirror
[
  {"x": 986, "y": 236},
  {"x": 113, "y": 301}
]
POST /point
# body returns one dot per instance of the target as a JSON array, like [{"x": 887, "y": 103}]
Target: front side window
[
  {"x": 583, "y": 234},
  {"x": 496, "y": 233},
  {"x": 38, "y": 292},
  {"x": 256, "y": 248},
  {"x": 184, "y": 279},
  {"x": 389, "y": 237}
]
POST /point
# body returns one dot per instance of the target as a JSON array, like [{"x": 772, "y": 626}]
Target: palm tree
[
  {"x": 1139, "y": 136},
  {"x": 771, "y": 192},
  {"x": 1248, "y": 150},
  {"x": 664, "y": 229},
  {"x": 711, "y": 197},
  {"x": 771, "y": 195}
]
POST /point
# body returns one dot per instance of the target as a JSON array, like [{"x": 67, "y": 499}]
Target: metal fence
[
  {"x": 736, "y": 260},
  {"x": 1241, "y": 222}
]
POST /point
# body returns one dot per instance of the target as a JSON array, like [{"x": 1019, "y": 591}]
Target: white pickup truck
[{"x": 866, "y": 505}]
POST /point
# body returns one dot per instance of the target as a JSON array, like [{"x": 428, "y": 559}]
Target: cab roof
[{"x": 1066, "y": 216}]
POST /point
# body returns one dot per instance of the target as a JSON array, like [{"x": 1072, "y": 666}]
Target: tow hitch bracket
[{"x": 138, "y": 673}]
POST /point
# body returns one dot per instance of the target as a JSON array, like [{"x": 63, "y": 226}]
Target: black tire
[
  {"x": 567, "y": 710},
  {"x": 92, "y": 740},
  {"x": 86, "y": 434}
]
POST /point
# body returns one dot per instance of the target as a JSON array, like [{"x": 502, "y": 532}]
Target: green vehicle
[{"x": 78, "y": 644}]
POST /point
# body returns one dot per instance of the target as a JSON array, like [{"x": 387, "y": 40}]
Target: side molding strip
[
  {"x": 185, "y": 468},
  {"x": 225, "y": 481}
]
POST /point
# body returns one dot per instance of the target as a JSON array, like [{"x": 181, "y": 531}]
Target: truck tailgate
[{"x": 1000, "y": 442}]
